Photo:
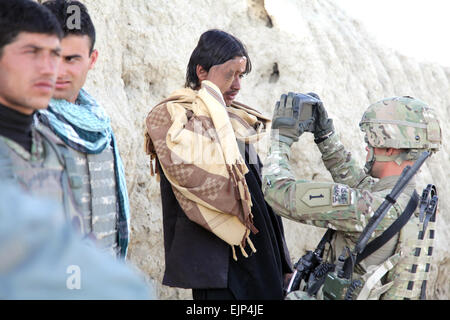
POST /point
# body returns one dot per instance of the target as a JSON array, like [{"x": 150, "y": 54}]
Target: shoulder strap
[
  {"x": 65, "y": 182},
  {"x": 395, "y": 227}
]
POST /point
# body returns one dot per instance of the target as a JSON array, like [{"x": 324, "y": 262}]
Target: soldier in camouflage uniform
[
  {"x": 396, "y": 131},
  {"x": 29, "y": 60},
  {"x": 47, "y": 259},
  {"x": 81, "y": 129}
]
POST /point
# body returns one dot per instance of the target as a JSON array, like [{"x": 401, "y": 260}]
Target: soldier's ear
[
  {"x": 93, "y": 59},
  {"x": 390, "y": 151}
]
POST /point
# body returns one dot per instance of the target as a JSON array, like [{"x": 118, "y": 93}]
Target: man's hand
[
  {"x": 222, "y": 75},
  {"x": 323, "y": 126},
  {"x": 286, "y": 117}
]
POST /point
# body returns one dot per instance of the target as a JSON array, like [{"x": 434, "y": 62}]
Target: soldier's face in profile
[
  {"x": 75, "y": 65},
  {"x": 28, "y": 71},
  {"x": 378, "y": 166}
]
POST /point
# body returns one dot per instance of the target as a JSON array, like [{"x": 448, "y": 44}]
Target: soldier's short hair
[{"x": 25, "y": 16}]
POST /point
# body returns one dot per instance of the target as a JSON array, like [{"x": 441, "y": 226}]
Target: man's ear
[
  {"x": 93, "y": 57},
  {"x": 202, "y": 74},
  {"x": 390, "y": 151}
]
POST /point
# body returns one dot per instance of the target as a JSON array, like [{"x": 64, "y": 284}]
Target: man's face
[
  {"x": 75, "y": 65},
  {"x": 226, "y": 76},
  {"x": 28, "y": 71},
  {"x": 230, "y": 93}
]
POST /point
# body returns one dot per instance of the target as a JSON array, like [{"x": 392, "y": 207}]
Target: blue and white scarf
[{"x": 86, "y": 127}]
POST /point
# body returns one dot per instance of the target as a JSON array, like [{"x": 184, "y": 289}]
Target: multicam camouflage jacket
[
  {"x": 41, "y": 173},
  {"x": 345, "y": 205}
]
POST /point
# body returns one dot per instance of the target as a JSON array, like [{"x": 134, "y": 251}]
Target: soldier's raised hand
[
  {"x": 323, "y": 126},
  {"x": 286, "y": 123}
]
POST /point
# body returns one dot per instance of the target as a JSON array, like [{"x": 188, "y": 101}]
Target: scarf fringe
[
  {"x": 250, "y": 243},
  {"x": 154, "y": 171},
  {"x": 241, "y": 246},
  {"x": 242, "y": 194},
  {"x": 243, "y": 251},
  {"x": 234, "y": 253},
  {"x": 150, "y": 150}
]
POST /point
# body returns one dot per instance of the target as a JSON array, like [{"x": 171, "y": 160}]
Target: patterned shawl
[
  {"x": 86, "y": 127},
  {"x": 193, "y": 135}
]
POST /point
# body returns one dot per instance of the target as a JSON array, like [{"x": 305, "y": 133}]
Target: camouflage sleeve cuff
[
  {"x": 276, "y": 166},
  {"x": 280, "y": 147},
  {"x": 340, "y": 163},
  {"x": 330, "y": 144}
]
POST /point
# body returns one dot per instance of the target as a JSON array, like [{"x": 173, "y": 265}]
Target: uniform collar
[
  {"x": 389, "y": 183},
  {"x": 16, "y": 126}
]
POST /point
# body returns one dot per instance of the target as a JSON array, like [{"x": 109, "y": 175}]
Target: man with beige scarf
[{"x": 221, "y": 238}]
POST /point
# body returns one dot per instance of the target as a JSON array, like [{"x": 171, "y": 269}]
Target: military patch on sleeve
[
  {"x": 341, "y": 195},
  {"x": 317, "y": 197}
]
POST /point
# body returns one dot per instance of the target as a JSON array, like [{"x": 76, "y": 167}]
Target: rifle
[{"x": 308, "y": 262}]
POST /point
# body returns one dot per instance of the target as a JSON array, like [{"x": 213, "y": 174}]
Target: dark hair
[
  {"x": 214, "y": 47},
  {"x": 62, "y": 9},
  {"x": 18, "y": 16}
]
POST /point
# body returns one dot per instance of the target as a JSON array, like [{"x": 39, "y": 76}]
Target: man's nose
[
  {"x": 236, "y": 84},
  {"x": 49, "y": 64}
]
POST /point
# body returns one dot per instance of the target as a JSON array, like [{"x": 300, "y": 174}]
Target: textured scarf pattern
[
  {"x": 193, "y": 135},
  {"x": 85, "y": 127}
]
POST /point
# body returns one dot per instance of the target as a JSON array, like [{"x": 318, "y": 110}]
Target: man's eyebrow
[
  {"x": 35, "y": 47},
  {"x": 32, "y": 46},
  {"x": 71, "y": 56}
]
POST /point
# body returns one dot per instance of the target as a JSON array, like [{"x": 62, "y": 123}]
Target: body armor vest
[
  {"x": 415, "y": 248},
  {"x": 404, "y": 274},
  {"x": 398, "y": 270},
  {"x": 41, "y": 173},
  {"x": 93, "y": 183}
]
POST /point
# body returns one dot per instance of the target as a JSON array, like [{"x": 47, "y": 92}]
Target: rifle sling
[
  {"x": 395, "y": 227},
  {"x": 327, "y": 237}
]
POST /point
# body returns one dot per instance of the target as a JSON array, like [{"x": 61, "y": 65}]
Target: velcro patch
[
  {"x": 317, "y": 197},
  {"x": 340, "y": 195}
]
